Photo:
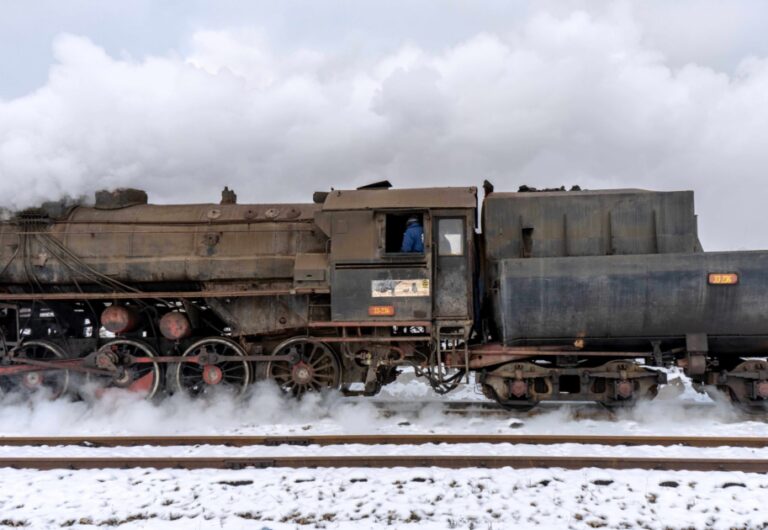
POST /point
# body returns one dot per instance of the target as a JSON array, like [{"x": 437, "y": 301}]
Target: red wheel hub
[
  {"x": 32, "y": 380},
  {"x": 302, "y": 373},
  {"x": 212, "y": 374},
  {"x": 624, "y": 389},
  {"x": 519, "y": 388}
]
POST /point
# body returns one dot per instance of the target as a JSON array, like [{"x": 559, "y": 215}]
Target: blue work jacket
[{"x": 413, "y": 239}]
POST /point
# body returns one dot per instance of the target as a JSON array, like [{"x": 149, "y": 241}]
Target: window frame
[
  {"x": 383, "y": 236},
  {"x": 462, "y": 237}
]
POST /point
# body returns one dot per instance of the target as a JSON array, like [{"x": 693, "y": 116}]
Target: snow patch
[{"x": 404, "y": 498}]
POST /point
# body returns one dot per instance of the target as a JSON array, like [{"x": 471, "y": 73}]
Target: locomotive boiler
[{"x": 557, "y": 295}]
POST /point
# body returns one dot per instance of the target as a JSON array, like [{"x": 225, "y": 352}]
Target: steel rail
[
  {"x": 493, "y": 409},
  {"x": 382, "y": 439},
  {"x": 411, "y": 461}
]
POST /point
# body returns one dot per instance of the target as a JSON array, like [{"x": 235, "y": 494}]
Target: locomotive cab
[{"x": 375, "y": 283}]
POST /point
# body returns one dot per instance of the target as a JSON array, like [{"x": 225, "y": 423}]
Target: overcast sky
[{"x": 278, "y": 99}]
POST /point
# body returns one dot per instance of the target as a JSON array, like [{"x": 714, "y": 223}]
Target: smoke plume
[{"x": 596, "y": 98}]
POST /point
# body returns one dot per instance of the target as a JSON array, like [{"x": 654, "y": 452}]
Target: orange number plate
[
  {"x": 381, "y": 310},
  {"x": 723, "y": 278}
]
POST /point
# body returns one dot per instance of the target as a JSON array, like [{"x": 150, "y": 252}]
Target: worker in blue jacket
[{"x": 413, "y": 238}]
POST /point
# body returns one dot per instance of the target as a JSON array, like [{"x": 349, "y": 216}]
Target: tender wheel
[
  {"x": 200, "y": 378},
  {"x": 141, "y": 378},
  {"x": 316, "y": 367},
  {"x": 629, "y": 382},
  {"x": 511, "y": 405},
  {"x": 55, "y": 382},
  {"x": 747, "y": 386}
]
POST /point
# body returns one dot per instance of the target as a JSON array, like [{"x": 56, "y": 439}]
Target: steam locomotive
[{"x": 557, "y": 295}]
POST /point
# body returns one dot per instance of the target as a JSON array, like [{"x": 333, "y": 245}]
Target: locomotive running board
[{"x": 159, "y": 294}]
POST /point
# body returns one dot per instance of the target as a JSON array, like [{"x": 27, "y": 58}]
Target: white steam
[
  {"x": 265, "y": 410},
  {"x": 413, "y": 409},
  {"x": 567, "y": 98}
]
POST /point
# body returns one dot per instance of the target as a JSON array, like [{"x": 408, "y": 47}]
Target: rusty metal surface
[
  {"x": 367, "y": 324},
  {"x": 498, "y": 349},
  {"x": 481, "y": 360},
  {"x": 372, "y": 340},
  {"x": 420, "y": 198},
  {"x": 526, "y": 383},
  {"x": 592, "y": 275},
  {"x": 368, "y": 461},
  {"x": 589, "y": 223},
  {"x": 648, "y": 296},
  {"x": 22, "y": 365},
  {"x": 169, "y": 243},
  {"x": 384, "y": 439},
  {"x": 195, "y": 213},
  {"x": 453, "y": 273},
  {"x": 160, "y": 294},
  {"x": 175, "y": 326},
  {"x": 119, "y": 319},
  {"x": 484, "y": 355},
  {"x": 254, "y": 265},
  {"x": 366, "y": 270},
  {"x": 354, "y": 290},
  {"x": 262, "y": 315}
]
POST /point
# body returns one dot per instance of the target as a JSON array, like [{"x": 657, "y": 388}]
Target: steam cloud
[
  {"x": 564, "y": 98},
  {"x": 264, "y": 410}
]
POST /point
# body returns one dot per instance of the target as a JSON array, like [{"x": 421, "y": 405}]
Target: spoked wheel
[
  {"x": 200, "y": 378},
  {"x": 316, "y": 367},
  {"x": 141, "y": 378},
  {"x": 53, "y": 381}
]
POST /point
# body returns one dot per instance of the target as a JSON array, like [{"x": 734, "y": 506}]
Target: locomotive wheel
[
  {"x": 629, "y": 390},
  {"x": 55, "y": 382},
  {"x": 316, "y": 368},
  {"x": 196, "y": 379},
  {"x": 510, "y": 405},
  {"x": 749, "y": 395},
  {"x": 141, "y": 378}
]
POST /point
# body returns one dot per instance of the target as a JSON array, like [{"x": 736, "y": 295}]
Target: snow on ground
[
  {"x": 374, "y": 498},
  {"x": 480, "y": 449},
  {"x": 399, "y": 498}
]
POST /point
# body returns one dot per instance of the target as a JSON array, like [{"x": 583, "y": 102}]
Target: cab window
[
  {"x": 396, "y": 226},
  {"x": 450, "y": 234}
]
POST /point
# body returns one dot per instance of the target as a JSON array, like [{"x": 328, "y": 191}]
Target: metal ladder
[{"x": 459, "y": 334}]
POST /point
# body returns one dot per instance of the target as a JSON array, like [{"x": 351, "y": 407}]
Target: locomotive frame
[{"x": 193, "y": 298}]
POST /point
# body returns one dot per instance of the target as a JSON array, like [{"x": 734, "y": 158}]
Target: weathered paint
[{"x": 646, "y": 296}]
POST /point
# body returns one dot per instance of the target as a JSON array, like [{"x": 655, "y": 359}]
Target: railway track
[
  {"x": 444, "y": 461},
  {"x": 381, "y": 439},
  {"x": 374, "y": 461},
  {"x": 582, "y": 409}
]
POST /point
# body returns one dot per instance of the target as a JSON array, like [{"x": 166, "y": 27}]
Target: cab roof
[{"x": 415, "y": 198}]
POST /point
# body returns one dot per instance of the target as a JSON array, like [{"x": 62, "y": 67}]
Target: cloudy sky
[{"x": 278, "y": 99}]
